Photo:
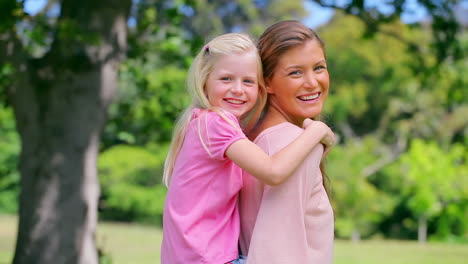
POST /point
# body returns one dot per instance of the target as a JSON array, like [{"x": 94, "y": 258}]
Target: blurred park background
[{"x": 87, "y": 98}]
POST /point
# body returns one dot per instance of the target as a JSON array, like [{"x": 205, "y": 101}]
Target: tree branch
[
  {"x": 347, "y": 130},
  {"x": 47, "y": 7},
  {"x": 398, "y": 148},
  {"x": 12, "y": 51}
]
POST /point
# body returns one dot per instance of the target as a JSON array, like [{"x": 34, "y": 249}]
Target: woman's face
[{"x": 300, "y": 82}]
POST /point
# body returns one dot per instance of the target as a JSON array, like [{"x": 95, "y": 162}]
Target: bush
[
  {"x": 130, "y": 179},
  {"x": 9, "y": 156}
]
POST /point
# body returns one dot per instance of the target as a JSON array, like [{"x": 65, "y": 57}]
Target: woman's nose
[{"x": 311, "y": 80}]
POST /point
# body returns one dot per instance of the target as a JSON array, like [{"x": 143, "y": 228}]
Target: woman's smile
[
  {"x": 309, "y": 98},
  {"x": 300, "y": 84}
]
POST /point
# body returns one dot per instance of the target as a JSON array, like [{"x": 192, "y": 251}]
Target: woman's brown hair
[
  {"x": 277, "y": 40},
  {"x": 281, "y": 37}
]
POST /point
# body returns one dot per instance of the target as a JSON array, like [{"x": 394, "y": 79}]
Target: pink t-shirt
[
  {"x": 291, "y": 222},
  {"x": 201, "y": 215}
]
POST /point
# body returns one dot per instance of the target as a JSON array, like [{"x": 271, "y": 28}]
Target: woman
[{"x": 291, "y": 222}]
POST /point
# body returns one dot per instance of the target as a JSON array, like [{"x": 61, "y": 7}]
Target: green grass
[
  {"x": 130, "y": 243},
  {"x": 139, "y": 244},
  {"x": 8, "y": 228},
  {"x": 399, "y": 252}
]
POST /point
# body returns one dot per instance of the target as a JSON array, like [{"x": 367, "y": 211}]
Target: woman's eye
[
  {"x": 320, "y": 67},
  {"x": 295, "y": 72}
]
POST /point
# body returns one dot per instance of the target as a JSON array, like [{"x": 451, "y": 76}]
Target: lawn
[{"x": 128, "y": 244}]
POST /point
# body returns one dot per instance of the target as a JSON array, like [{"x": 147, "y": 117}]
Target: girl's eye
[
  {"x": 225, "y": 78},
  {"x": 249, "y": 81}
]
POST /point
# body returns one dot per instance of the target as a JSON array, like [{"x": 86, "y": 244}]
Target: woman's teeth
[{"x": 309, "y": 97}]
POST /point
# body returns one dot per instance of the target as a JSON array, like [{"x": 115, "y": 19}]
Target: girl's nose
[{"x": 237, "y": 88}]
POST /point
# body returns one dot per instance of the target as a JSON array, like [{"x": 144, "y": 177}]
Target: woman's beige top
[{"x": 291, "y": 222}]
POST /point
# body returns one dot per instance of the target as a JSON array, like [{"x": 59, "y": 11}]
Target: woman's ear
[{"x": 268, "y": 87}]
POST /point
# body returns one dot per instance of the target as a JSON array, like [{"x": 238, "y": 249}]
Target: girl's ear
[{"x": 204, "y": 91}]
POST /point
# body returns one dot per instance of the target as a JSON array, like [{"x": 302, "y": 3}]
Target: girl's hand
[{"x": 328, "y": 139}]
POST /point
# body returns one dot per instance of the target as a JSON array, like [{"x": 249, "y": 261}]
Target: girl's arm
[{"x": 277, "y": 168}]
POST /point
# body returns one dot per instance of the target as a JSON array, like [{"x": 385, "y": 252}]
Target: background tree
[
  {"x": 163, "y": 40},
  {"x": 391, "y": 82},
  {"x": 60, "y": 97},
  {"x": 359, "y": 205},
  {"x": 444, "y": 25},
  {"x": 393, "y": 86},
  {"x": 434, "y": 181}
]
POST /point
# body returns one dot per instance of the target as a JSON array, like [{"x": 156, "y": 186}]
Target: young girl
[{"x": 209, "y": 150}]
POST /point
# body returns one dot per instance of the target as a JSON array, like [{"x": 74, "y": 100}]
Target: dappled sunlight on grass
[
  {"x": 398, "y": 252},
  {"x": 123, "y": 243},
  {"x": 140, "y": 244},
  {"x": 130, "y": 243},
  {"x": 8, "y": 227}
]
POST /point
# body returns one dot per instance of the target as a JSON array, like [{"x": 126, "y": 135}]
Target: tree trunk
[
  {"x": 60, "y": 103},
  {"x": 422, "y": 229},
  {"x": 356, "y": 236}
]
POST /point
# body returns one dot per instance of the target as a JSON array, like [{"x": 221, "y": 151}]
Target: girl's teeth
[
  {"x": 309, "y": 97},
  {"x": 233, "y": 101}
]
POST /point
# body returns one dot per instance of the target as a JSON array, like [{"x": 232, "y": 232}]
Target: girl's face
[
  {"x": 299, "y": 85},
  {"x": 233, "y": 84}
]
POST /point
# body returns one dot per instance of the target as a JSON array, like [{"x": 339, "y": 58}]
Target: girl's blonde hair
[{"x": 202, "y": 66}]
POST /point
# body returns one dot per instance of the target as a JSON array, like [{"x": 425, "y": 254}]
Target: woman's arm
[{"x": 277, "y": 168}]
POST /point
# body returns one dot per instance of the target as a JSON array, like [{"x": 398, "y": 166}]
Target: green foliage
[
  {"x": 451, "y": 225},
  {"x": 444, "y": 24},
  {"x": 363, "y": 78},
  {"x": 130, "y": 179},
  {"x": 71, "y": 33},
  {"x": 377, "y": 85},
  {"x": 436, "y": 182},
  {"x": 150, "y": 100},
  {"x": 104, "y": 257},
  {"x": 385, "y": 91},
  {"x": 9, "y": 157},
  {"x": 6, "y": 73},
  {"x": 152, "y": 90},
  {"x": 358, "y": 204},
  {"x": 380, "y": 90},
  {"x": 433, "y": 176},
  {"x": 10, "y": 11}
]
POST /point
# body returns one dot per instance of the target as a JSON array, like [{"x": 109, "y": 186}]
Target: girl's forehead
[
  {"x": 238, "y": 57},
  {"x": 245, "y": 54},
  {"x": 245, "y": 63}
]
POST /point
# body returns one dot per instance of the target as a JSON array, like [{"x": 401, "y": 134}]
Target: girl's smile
[{"x": 233, "y": 84}]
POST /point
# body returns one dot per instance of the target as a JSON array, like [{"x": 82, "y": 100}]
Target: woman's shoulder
[
  {"x": 284, "y": 131},
  {"x": 279, "y": 136}
]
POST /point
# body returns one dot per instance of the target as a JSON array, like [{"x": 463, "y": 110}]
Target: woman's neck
[
  {"x": 273, "y": 116},
  {"x": 276, "y": 116}
]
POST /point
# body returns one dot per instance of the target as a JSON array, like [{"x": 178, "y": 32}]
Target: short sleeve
[{"x": 219, "y": 131}]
